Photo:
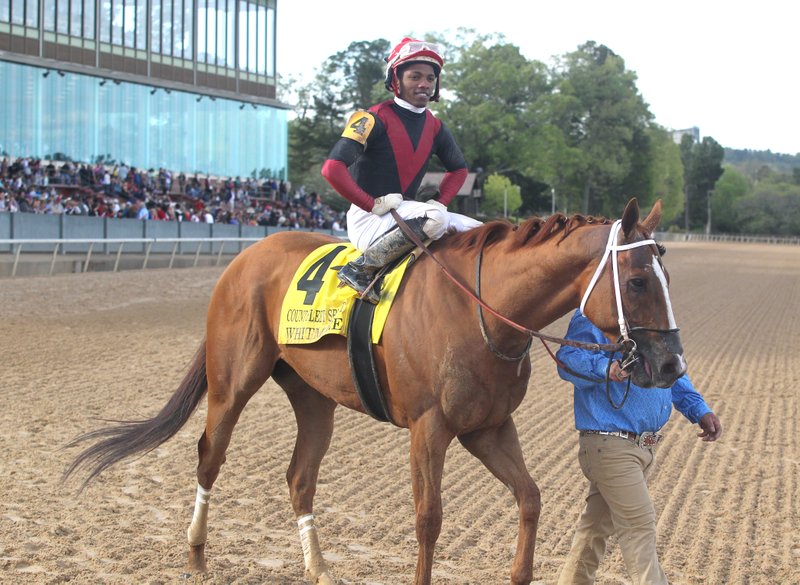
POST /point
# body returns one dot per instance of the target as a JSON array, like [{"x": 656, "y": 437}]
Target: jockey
[{"x": 381, "y": 158}]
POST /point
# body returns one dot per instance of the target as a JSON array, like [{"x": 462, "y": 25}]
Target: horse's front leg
[
  {"x": 499, "y": 450},
  {"x": 429, "y": 442}
]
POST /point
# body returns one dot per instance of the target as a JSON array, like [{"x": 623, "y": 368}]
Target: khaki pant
[{"x": 618, "y": 503}]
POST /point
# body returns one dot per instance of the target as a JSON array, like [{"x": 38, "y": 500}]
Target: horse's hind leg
[
  {"x": 499, "y": 450},
  {"x": 314, "y": 415},
  {"x": 235, "y": 370}
]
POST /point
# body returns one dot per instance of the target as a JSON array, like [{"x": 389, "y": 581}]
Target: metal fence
[
  {"x": 743, "y": 238},
  {"x": 85, "y": 260},
  {"x": 82, "y": 244},
  {"x": 73, "y": 243}
]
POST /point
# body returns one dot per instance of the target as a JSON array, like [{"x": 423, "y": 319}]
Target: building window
[
  {"x": 117, "y": 19},
  {"x": 105, "y": 21},
  {"x": 129, "y": 23},
  {"x": 76, "y": 19},
  {"x": 166, "y": 27},
  {"x": 155, "y": 24},
  {"x": 17, "y": 12},
  {"x": 88, "y": 19},
  {"x": 5, "y": 11},
  {"x": 62, "y": 17},
  {"x": 256, "y": 37},
  {"x": 32, "y": 13},
  {"x": 222, "y": 33},
  {"x": 188, "y": 33},
  {"x": 177, "y": 29},
  {"x": 270, "y": 46},
  {"x": 49, "y": 15}
]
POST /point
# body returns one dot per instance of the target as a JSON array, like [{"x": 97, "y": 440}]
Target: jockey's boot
[{"x": 394, "y": 244}]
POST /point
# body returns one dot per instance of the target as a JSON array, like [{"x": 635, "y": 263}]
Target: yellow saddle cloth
[{"x": 315, "y": 305}]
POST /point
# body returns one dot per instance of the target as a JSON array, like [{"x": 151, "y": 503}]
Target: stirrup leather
[{"x": 391, "y": 246}]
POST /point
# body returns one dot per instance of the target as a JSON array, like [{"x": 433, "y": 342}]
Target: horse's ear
[
  {"x": 651, "y": 222},
  {"x": 630, "y": 218}
]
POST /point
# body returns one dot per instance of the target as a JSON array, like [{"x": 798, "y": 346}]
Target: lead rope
[{"x": 613, "y": 404}]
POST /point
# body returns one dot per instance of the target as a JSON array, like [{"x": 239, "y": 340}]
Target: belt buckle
[{"x": 648, "y": 439}]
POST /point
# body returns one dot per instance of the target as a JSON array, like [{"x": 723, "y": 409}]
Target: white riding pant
[{"x": 364, "y": 227}]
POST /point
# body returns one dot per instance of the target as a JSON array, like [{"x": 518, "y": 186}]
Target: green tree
[
  {"x": 772, "y": 209},
  {"x": 489, "y": 94},
  {"x": 551, "y": 157},
  {"x": 347, "y": 81},
  {"x": 357, "y": 74},
  {"x": 702, "y": 166},
  {"x": 312, "y": 136},
  {"x": 667, "y": 175},
  {"x": 606, "y": 118},
  {"x": 500, "y": 196},
  {"x": 730, "y": 188}
]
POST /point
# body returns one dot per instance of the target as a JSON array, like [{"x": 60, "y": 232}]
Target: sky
[{"x": 730, "y": 68}]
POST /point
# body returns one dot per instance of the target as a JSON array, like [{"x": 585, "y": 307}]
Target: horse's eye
[{"x": 637, "y": 283}]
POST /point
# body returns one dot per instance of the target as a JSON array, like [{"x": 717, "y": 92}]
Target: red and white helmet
[{"x": 413, "y": 51}]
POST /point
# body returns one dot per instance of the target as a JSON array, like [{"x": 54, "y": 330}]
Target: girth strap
[{"x": 362, "y": 361}]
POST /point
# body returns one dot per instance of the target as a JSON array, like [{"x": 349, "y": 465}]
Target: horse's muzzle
[{"x": 660, "y": 357}]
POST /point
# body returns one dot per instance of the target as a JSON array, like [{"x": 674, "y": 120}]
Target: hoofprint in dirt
[{"x": 80, "y": 348}]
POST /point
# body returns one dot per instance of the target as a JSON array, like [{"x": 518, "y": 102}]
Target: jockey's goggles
[{"x": 416, "y": 51}]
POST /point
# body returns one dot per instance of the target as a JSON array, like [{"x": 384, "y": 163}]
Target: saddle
[{"x": 315, "y": 305}]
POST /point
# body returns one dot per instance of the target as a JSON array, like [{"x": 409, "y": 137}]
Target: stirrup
[{"x": 356, "y": 278}]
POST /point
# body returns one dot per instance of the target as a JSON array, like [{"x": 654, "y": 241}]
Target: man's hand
[
  {"x": 712, "y": 428},
  {"x": 616, "y": 373},
  {"x": 383, "y": 204}
]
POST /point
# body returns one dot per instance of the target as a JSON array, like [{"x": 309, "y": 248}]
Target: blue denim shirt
[{"x": 645, "y": 409}]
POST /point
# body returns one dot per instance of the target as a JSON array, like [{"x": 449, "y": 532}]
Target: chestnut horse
[{"x": 441, "y": 380}]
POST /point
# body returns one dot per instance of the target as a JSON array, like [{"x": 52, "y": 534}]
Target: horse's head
[{"x": 633, "y": 279}]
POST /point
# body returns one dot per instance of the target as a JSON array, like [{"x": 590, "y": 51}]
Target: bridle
[
  {"x": 625, "y": 344},
  {"x": 612, "y": 250},
  {"x": 631, "y": 354}
]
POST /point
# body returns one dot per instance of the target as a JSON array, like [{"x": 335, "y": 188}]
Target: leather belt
[{"x": 646, "y": 439}]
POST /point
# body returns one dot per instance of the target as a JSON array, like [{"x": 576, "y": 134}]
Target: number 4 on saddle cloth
[{"x": 315, "y": 305}]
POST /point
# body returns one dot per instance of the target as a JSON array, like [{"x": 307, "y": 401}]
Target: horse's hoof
[
  {"x": 324, "y": 578},
  {"x": 197, "y": 558}
]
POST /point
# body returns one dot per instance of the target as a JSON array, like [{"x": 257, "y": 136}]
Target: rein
[
  {"x": 489, "y": 344},
  {"x": 614, "y": 347}
]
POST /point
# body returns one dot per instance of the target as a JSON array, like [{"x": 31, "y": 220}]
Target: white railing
[
  {"x": 742, "y": 238},
  {"x": 148, "y": 243}
]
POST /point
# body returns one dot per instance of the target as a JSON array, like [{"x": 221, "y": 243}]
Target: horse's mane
[{"x": 532, "y": 231}]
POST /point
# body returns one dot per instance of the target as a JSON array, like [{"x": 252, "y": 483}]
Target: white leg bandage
[
  {"x": 198, "y": 529},
  {"x": 308, "y": 538}
]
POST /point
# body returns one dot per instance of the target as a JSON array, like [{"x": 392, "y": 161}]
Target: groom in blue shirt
[{"x": 618, "y": 432}]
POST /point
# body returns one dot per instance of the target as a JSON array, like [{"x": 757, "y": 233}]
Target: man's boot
[{"x": 392, "y": 245}]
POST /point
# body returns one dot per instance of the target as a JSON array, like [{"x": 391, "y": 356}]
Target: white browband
[{"x": 612, "y": 248}]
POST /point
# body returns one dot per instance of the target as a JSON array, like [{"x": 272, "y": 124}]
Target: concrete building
[
  {"x": 694, "y": 132},
  {"x": 185, "y": 85}
]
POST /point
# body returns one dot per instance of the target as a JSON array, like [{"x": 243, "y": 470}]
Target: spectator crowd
[{"x": 30, "y": 185}]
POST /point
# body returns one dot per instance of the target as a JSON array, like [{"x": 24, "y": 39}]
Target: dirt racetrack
[{"x": 78, "y": 348}]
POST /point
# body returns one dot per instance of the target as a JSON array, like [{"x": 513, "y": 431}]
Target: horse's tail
[{"x": 128, "y": 438}]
